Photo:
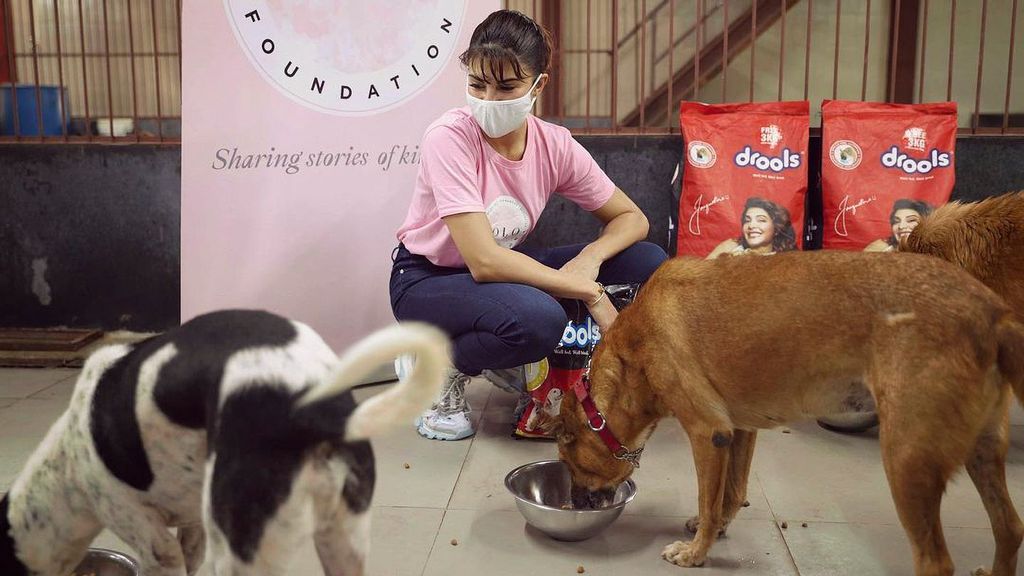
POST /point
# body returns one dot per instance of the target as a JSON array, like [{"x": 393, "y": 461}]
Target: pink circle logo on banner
[{"x": 348, "y": 57}]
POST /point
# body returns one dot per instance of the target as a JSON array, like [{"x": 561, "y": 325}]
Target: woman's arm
[
  {"x": 624, "y": 225},
  {"x": 489, "y": 262}
]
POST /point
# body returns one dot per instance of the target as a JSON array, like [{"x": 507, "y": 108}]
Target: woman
[
  {"x": 904, "y": 217},
  {"x": 486, "y": 173},
  {"x": 765, "y": 229}
]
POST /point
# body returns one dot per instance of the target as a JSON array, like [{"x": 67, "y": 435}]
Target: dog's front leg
[
  {"x": 193, "y": 546},
  {"x": 146, "y": 532},
  {"x": 711, "y": 455}
]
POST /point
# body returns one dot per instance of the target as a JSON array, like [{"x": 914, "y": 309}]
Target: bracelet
[{"x": 599, "y": 296}]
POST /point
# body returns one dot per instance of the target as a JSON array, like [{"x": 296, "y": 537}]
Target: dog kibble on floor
[
  {"x": 455, "y": 542},
  {"x": 785, "y": 525},
  {"x": 406, "y": 466},
  {"x": 580, "y": 570},
  {"x": 804, "y": 524}
]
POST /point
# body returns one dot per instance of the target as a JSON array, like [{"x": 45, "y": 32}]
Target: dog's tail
[
  {"x": 400, "y": 403},
  {"x": 1010, "y": 334}
]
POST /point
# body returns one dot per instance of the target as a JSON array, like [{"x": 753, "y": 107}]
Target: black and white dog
[{"x": 238, "y": 428}]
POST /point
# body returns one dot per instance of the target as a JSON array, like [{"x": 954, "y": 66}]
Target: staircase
[{"x": 709, "y": 61}]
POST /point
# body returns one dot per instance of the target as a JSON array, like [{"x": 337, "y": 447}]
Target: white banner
[{"x": 302, "y": 123}]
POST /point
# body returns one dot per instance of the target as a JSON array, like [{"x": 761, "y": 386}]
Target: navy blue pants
[{"x": 499, "y": 324}]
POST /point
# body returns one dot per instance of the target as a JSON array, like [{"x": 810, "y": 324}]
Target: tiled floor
[{"x": 454, "y": 491}]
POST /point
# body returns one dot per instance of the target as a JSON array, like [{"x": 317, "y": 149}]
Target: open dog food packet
[
  {"x": 744, "y": 178},
  {"x": 549, "y": 380},
  {"x": 884, "y": 167}
]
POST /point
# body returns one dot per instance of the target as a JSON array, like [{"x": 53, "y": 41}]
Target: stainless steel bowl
[
  {"x": 102, "y": 562},
  {"x": 849, "y": 422},
  {"x": 543, "y": 494}
]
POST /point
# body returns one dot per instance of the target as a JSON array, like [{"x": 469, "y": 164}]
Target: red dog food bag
[
  {"x": 884, "y": 166},
  {"x": 744, "y": 179},
  {"x": 549, "y": 380}
]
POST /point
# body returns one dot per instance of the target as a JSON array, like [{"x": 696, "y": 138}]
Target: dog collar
[{"x": 597, "y": 422}]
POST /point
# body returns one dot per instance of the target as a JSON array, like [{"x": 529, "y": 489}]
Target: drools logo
[
  {"x": 700, "y": 154},
  {"x": 348, "y": 57},
  {"x": 845, "y": 154}
]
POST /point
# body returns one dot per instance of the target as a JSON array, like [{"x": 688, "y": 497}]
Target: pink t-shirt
[{"x": 460, "y": 172}]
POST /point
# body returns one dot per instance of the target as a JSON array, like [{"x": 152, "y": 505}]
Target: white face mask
[{"x": 499, "y": 117}]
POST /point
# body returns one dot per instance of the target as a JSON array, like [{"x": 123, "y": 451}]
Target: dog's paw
[
  {"x": 682, "y": 554},
  {"x": 693, "y": 524},
  {"x": 981, "y": 571}
]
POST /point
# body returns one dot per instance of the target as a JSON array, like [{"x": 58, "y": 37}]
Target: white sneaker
[{"x": 449, "y": 418}]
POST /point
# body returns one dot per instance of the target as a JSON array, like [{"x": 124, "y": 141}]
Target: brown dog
[
  {"x": 732, "y": 345},
  {"x": 985, "y": 238}
]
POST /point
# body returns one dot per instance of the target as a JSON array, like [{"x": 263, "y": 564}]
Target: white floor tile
[
  {"x": 23, "y": 382},
  {"x": 498, "y": 543},
  {"x": 813, "y": 474},
  {"x": 828, "y": 549}
]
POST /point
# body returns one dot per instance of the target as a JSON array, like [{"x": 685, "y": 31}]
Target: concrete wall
[{"x": 90, "y": 234}]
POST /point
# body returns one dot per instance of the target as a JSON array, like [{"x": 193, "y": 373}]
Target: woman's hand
[
  {"x": 601, "y": 308},
  {"x": 583, "y": 265},
  {"x": 603, "y": 312}
]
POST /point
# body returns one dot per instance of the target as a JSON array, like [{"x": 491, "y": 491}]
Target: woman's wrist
[
  {"x": 593, "y": 253},
  {"x": 600, "y": 295}
]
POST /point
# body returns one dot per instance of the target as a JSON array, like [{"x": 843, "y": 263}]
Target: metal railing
[
  {"x": 110, "y": 70},
  {"x": 657, "y": 53},
  {"x": 93, "y": 71}
]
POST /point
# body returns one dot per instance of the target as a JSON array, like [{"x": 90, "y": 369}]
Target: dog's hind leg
[
  {"x": 913, "y": 412},
  {"x": 917, "y": 479},
  {"x": 987, "y": 468},
  {"x": 193, "y": 546}
]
